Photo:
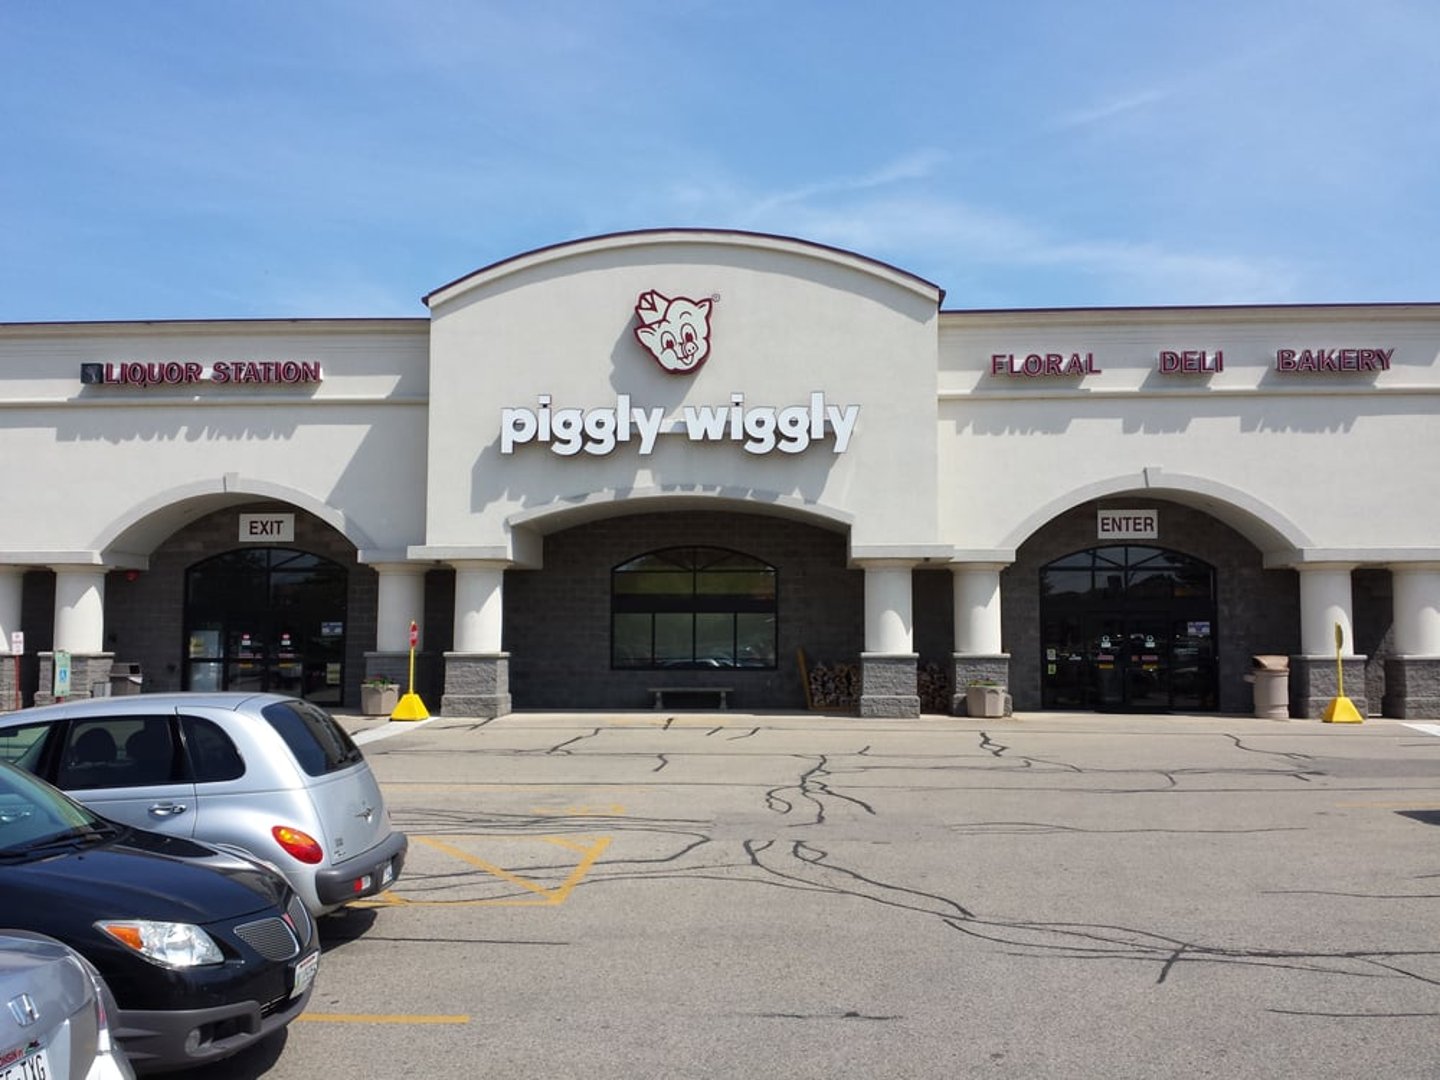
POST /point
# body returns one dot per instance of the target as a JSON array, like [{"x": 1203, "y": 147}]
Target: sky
[{"x": 177, "y": 159}]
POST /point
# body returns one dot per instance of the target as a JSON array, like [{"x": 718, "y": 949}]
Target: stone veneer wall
[
  {"x": 1373, "y": 606},
  {"x": 557, "y": 620},
  {"x": 1257, "y": 610}
]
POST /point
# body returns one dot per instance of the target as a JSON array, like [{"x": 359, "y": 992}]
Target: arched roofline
[
  {"x": 147, "y": 524},
  {"x": 641, "y": 238},
  {"x": 1265, "y": 527},
  {"x": 624, "y": 502}
]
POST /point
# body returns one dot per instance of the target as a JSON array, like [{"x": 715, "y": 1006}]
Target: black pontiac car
[{"x": 205, "y": 951}]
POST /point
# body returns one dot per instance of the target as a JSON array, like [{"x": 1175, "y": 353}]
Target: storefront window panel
[
  {"x": 715, "y": 640},
  {"x": 755, "y": 640},
  {"x": 674, "y": 639},
  {"x": 631, "y": 640},
  {"x": 693, "y": 607},
  {"x": 1072, "y": 583}
]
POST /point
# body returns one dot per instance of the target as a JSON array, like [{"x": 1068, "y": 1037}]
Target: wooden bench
[{"x": 659, "y": 693}]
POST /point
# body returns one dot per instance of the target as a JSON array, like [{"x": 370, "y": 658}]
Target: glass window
[
  {"x": 319, "y": 744},
  {"x": 695, "y": 607},
  {"x": 119, "y": 751},
  {"x": 32, "y": 812},
  {"x": 1128, "y": 575},
  {"x": 23, "y": 745},
  {"x": 213, "y": 757},
  {"x": 755, "y": 640}
]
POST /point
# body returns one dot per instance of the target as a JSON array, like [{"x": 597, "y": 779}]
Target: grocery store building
[{"x": 735, "y": 469}]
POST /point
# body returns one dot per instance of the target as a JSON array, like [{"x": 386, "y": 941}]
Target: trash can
[
  {"x": 125, "y": 679},
  {"x": 1270, "y": 676}
]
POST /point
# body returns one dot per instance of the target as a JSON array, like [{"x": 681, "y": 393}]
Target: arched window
[{"x": 693, "y": 607}]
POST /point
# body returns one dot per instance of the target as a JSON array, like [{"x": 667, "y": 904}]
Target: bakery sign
[{"x": 676, "y": 333}]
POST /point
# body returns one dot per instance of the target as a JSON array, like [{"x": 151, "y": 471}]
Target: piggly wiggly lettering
[{"x": 758, "y": 429}]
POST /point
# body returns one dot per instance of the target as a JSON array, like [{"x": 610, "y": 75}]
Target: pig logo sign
[{"x": 675, "y": 331}]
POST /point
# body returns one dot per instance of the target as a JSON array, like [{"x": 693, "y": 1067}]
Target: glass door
[
  {"x": 1128, "y": 627},
  {"x": 270, "y": 619},
  {"x": 1147, "y": 664}
]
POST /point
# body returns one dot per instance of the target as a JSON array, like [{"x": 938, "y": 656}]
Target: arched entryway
[
  {"x": 689, "y": 597},
  {"x": 1128, "y": 627},
  {"x": 1197, "y": 569}
]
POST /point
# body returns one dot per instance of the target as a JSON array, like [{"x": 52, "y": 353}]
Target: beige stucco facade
[{"x": 834, "y": 393}]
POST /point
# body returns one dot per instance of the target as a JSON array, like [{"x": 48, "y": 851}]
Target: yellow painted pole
[
  {"x": 1341, "y": 710},
  {"x": 410, "y": 707}
]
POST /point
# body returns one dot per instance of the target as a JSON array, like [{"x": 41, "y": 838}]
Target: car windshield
[
  {"x": 33, "y": 814},
  {"x": 319, "y": 744}
]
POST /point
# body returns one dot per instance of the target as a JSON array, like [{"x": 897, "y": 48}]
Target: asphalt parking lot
[{"x": 677, "y": 894}]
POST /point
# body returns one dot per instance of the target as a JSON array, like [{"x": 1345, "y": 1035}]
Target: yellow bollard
[
  {"x": 410, "y": 707},
  {"x": 1341, "y": 710}
]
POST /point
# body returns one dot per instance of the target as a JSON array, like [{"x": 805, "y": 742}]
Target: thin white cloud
[
  {"x": 913, "y": 166},
  {"x": 949, "y": 240},
  {"x": 1113, "y": 108}
]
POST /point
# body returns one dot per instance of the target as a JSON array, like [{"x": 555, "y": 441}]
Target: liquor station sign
[{"x": 179, "y": 372}]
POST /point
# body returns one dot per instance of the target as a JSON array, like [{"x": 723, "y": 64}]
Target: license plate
[
  {"x": 387, "y": 875},
  {"x": 34, "y": 1066},
  {"x": 304, "y": 975}
]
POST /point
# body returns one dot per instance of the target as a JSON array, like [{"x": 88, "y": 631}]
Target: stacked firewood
[
  {"x": 834, "y": 686},
  {"x": 934, "y": 688}
]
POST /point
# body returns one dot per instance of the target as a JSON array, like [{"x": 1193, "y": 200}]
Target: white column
[
  {"x": 1417, "y": 610},
  {"x": 889, "y": 603},
  {"x": 977, "y": 610},
  {"x": 1324, "y": 602},
  {"x": 80, "y": 609},
  {"x": 400, "y": 598},
  {"x": 479, "y": 596},
  {"x": 12, "y": 581}
]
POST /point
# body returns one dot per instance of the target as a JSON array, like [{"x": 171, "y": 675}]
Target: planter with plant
[
  {"x": 379, "y": 696},
  {"x": 986, "y": 697}
]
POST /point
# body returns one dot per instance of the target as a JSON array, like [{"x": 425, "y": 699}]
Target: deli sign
[{"x": 1128, "y": 525}]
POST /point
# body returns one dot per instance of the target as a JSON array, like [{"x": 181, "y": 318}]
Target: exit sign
[{"x": 267, "y": 528}]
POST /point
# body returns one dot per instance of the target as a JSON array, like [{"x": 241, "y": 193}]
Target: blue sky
[{"x": 209, "y": 159}]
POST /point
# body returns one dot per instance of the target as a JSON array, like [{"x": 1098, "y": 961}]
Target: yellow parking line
[
  {"x": 543, "y": 896},
  {"x": 380, "y": 1018}
]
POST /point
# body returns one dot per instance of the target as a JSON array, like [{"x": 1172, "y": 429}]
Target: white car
[
  {"x": 273, "y": 775},
  {"x": 54, "y": 1023}
]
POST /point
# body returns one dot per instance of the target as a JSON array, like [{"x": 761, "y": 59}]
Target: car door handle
[{"x": 167, "y": 809}]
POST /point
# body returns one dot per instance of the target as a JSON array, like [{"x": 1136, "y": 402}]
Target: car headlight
[{"x": 173, "y": 945}]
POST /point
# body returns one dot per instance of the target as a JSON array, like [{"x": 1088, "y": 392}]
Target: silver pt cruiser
[{"x": 273, "y": 775}]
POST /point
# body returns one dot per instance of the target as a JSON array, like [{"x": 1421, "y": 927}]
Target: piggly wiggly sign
[{"x": 675, "y": 331}]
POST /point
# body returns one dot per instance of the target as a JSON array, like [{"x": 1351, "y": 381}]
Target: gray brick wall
[{"x": 557, "y": 620}]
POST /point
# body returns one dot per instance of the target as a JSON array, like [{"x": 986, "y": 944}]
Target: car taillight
[{"x": 300, "y": 845}]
